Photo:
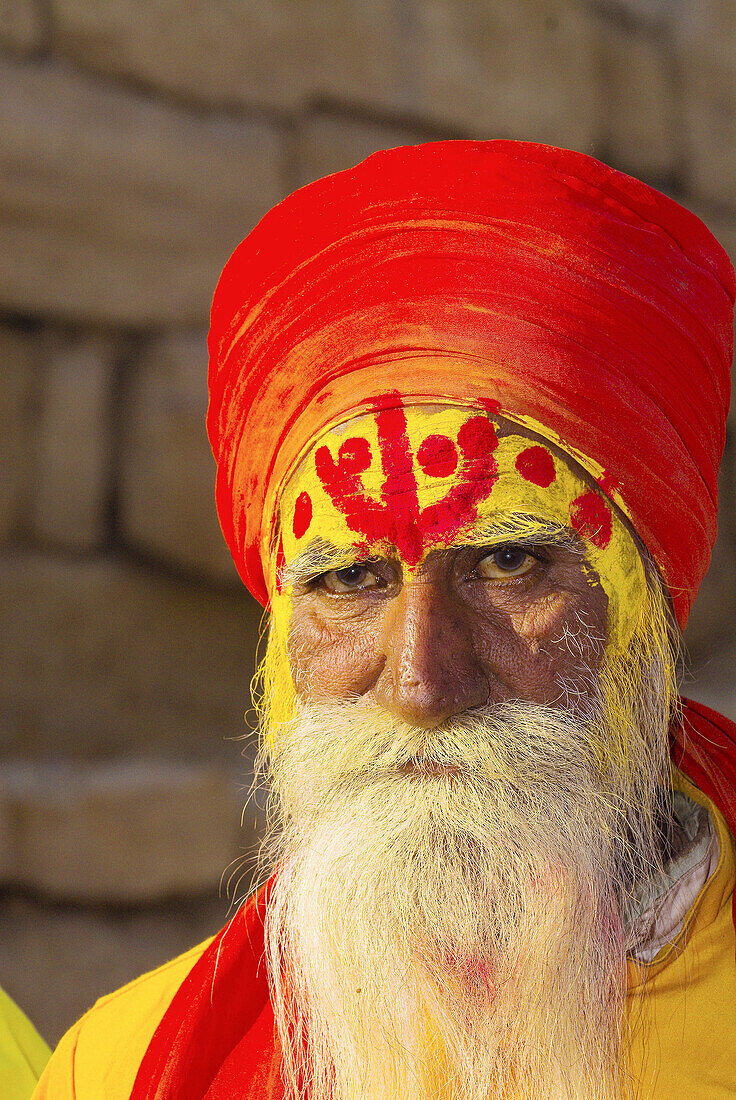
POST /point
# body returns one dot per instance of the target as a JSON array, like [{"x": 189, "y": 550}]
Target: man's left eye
[
  {"x": 354, "y": 578},
  {"x": 505, "y": 562}
]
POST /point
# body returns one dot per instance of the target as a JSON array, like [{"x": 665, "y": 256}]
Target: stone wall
[{"x": 139, "y": 142}]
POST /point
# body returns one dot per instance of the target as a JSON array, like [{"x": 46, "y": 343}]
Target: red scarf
[{"x": 217, "y": 1039}]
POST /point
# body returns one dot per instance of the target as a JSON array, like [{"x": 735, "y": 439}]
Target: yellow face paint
[{"x": 404, "y": 481}]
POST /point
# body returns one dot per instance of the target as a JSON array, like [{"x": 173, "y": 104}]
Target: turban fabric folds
[{"x": 520, "y": 279}]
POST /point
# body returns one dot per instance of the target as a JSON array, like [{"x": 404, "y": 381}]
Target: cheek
[
  {"x": 333, "y": 659},
  {"x": 529, "y": 649},
  {"x": 539, "y": 622},
  {"x": 566, "y": 630}
]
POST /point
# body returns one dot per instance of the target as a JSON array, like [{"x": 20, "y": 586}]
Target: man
[{"x": 467, "y": 402}]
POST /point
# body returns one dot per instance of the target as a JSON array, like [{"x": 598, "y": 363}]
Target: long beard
[{"x": 452, "y": 911}]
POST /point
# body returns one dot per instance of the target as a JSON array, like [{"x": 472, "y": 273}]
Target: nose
[{"x": 430, "y": 671}]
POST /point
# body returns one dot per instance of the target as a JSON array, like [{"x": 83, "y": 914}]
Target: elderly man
[{"x": 467, "y": 402}]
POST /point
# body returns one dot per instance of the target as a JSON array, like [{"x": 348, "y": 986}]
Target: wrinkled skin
[
  {"x": 463, "y": 630},
  {"x": 469, "y": 626}
]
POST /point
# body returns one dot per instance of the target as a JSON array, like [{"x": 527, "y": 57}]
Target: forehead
[
  {"x": 405, "y": 481},
  {"x": 415, "y": 478}
]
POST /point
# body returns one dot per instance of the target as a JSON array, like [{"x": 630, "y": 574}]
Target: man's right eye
[{"x": 353, "y": 578}]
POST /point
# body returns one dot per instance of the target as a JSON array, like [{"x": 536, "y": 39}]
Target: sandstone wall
[{"x": 139, "y": 142}]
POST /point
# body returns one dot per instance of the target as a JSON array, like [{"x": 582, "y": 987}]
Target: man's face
[
  {"x": 469, "y": 626},
  {"x": 467, "y": 783},
  {"x": 502, "y": 611}
]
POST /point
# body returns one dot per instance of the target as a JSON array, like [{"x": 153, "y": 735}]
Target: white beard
[
  {"x": 458, "y": 935},
  {"x": 460, "y": 932}
]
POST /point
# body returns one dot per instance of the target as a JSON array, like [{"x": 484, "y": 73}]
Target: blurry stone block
[
  {"x": 73, "y": 442},
  {"x": 18, "y": 371},
  {"x": 56, "y": 962},
  {"x": 127, "y": 831},
  {"x": 711, "y": 620},
  {"x": 521, "y": 70},
  {"x": 328, "y": 143},
  {"x": 98, "y": 657},
  {"x": 21, "y": 25},
  {"x": 713, "y": 682},
  {"x": 7, "y": 840},
  {"x": 116, "y": 208},
  {"x": 242, "y": 51},
  {"x": 727, "y": 509},
  {"x": 524, "y": 70},
  {"x": 652, "y": 12},
  {"x": 167, "y": 475},
  {"x": 639, "y": 124},
  {"x": 718, "y": 695},
  {"x": 706, "y": 47}
]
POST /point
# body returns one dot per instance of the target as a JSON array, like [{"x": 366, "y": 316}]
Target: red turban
[{"x": 527, "y": 279}]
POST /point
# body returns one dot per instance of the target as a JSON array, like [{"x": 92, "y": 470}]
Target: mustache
[{"x": 516, "y": 743}]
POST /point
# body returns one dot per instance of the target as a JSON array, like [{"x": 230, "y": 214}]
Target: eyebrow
[
  {"x": 319, "y": 557},
  {"x": 523, "y": 528},
  {"x": 322, "y": 556}
]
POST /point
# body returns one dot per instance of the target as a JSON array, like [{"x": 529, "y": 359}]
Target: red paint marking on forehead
[
  {"x": 397, "y": 461},
  {"x": 402, "y": 515},
  {"x": 396, "y": 517},
  {"x": 477, "y": 438},
  {"x": 341, "y": 481},
  {"x": 477, "y": 441},
  {"x": 355, "y": 455},
  {"x": 302, "y": 515},
  {"x": 590, "y": 516},
  {"x": 537, "y": 466},
  {"x": 437, "y": 455}
]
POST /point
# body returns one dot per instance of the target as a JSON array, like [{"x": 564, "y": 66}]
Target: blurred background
[{"x": 139, "y": 142}]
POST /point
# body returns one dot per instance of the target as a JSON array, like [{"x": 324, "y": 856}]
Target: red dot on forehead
[
  {"x": 355, "y": 455},
  {"x": 477, "y": 437},
  {"x": 437, "y": 455},
  {"x": 302, "y": 515},
  {"x": 590, "y": 516},
  {"x": 536, "y": 465}
]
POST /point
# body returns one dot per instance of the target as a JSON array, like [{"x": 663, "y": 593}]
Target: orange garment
[{"x": 684, "y": 1029}]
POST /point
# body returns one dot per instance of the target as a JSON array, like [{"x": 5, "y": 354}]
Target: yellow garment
[
  {"x": 98, "y": 1058},
  {"x": 684, "y": 1028},
  {"x": 23, "y": 1053},
  {"x": 683, "y": 1044}
]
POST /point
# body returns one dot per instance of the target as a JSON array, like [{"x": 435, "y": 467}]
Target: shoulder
[{"x": 100, "y": 1055}]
